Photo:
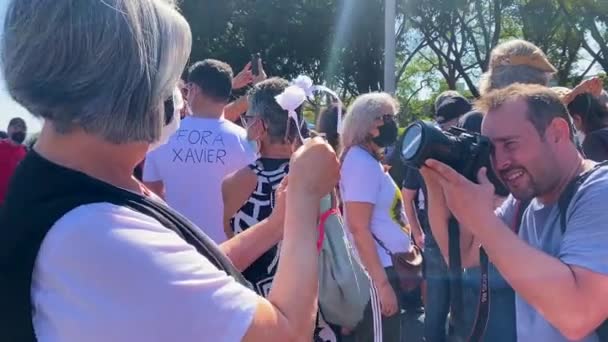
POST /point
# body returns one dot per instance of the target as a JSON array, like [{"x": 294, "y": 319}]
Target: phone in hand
[{"x": 255, "y": 60}]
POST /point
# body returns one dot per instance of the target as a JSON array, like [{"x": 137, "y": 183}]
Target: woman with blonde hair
[{"x": 373, "y": 205}]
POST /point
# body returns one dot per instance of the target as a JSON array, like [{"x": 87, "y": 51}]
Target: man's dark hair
[
  {"x": 544, "y": 104},
  {"x": 592, "y": 112},
  {"x": 3, "y": 135},
  {"x": 213, "y": 77},
  {"x": 262, "y": 103},
  {"x": 17, "y": 122}
]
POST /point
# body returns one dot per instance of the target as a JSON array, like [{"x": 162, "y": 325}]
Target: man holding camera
[
  {"x": 450, "y": 106},
  {"x": 558, "y": 271}
]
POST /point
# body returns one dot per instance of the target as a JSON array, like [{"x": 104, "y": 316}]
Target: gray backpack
[{"x": 344, "y": 286}]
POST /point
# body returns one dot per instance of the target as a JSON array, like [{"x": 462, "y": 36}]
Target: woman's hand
[
  {"x": 314, "y": 170},
  {"x": 388, "y": 299}
]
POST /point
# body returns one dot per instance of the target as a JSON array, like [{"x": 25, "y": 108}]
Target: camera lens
[
  {"x": 422, "y": 141},
  {"x": 411, "y": 141}
]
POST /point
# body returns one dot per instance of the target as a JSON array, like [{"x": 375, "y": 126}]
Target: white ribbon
[
  {"x": 290, "y": 99},
  {"x": 301, "y": 89},
  {"x": 310, "y": 88}
]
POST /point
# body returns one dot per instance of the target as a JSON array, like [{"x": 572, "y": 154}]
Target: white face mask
[
  {"x": 580, "y": 136},
  {"x": 170, "y": 129}
]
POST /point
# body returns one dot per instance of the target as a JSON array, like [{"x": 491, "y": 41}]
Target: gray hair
[
  {"x": 516, "y": 61},
  {"x": 262, "y": 103},
  {"x": 361, "y": 116},
  {"x": 105, "y": 66}
]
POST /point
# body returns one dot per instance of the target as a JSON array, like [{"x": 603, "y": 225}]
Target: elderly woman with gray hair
[
  {"x": 88, "y": 253},
  {"x": 373, "y": 205}
]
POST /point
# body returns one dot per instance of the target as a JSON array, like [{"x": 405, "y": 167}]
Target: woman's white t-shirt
[
  {"x": 363, "y": 179},
  {"x": 108, "y": 273}
]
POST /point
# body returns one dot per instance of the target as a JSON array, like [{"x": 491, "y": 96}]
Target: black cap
[
  {"x": 471, "y": 121},
  {"x": 452, "y": 108}
]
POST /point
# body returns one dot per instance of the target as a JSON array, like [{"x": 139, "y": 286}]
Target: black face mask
[
  {"x": 388, "y": 133},
  {"x": 18, "y": 137}
]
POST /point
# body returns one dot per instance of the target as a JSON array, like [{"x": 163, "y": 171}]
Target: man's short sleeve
[
  {"x": 507, "y": 211},
  {"x": 360, "y": 177},
  {"x": 585, "y": 241},
  {"x": 151, "y": 172},
  {"x": 412, "y": 179},
  {"x": 112, "y": 274}
]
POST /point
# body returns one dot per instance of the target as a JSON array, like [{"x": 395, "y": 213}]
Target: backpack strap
[
  {"x": 563, "y": 203},
  {"x": 566, "y": 196}
]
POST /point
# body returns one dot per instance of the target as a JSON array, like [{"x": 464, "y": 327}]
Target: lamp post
[{"x": 389, "y": 46}]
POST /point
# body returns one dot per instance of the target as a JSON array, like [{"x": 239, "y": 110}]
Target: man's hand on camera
[{"x": 469, "y": 202}]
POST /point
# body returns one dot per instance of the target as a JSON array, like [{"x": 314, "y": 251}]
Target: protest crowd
[{"x": 155, "y": 205}]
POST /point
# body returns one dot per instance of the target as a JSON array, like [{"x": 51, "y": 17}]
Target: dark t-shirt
[
  {"x": 413, "y": 181},
  {"x": 595, "y": 145}
]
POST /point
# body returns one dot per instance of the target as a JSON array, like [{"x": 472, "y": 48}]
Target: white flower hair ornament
[
  {"x": 303, "y": 88},
  {"x": 290, "y": 99}
]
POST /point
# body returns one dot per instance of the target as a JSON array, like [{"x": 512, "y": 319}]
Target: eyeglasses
[{"x": 246, "y": 119}]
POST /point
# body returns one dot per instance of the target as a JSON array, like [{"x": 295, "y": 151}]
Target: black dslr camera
[{"x": 466, "y": 152}]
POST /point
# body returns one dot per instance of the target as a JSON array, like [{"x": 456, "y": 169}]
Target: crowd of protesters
[{"x": 155, "y": 208}]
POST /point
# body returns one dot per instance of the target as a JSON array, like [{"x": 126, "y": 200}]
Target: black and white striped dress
[{"x": 270, "y": 173}]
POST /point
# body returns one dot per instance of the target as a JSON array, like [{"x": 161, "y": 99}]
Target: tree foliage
[{"x": 441, "y": 44}]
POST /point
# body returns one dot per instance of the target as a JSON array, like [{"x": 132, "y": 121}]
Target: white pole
[{"x": 389, "y": 46}]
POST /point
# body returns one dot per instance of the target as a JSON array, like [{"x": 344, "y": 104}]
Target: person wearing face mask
[
  {"x": 250, "y": 193},
  {"x": 590, "y": 116},
  {"x": 373, "y": 205},
  {"x": 188, "y": 171},
  {"x": 12, "y": 151},
  {"x": 88, "y": 252}
]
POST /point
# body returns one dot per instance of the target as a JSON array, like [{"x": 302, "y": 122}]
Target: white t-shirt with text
[
  {"x": 363, "y": 179},
  {"x": 192, "y": 166},
  {"x": 108, "y": 273}
]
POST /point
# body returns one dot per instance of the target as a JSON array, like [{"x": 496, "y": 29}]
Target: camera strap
[{"x": 483, "y": 307}]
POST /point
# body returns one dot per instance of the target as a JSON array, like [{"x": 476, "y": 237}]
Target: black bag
[{"x": 41, "y": 193}]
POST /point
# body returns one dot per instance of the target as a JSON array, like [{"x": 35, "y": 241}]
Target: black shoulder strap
[
  {"x": 563, "y": 203},
  {"x": 27, "y": 217},
  {"x": 455, "y": 271},
  {"x": 566, "y": 196}
]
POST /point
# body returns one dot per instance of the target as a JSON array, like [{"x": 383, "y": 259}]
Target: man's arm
[
  {"x": 571, "y": 298},
  {"x": 409, "y": 196},
  {"x": 234, "y": 109},
  {"x": 571, "y": 292},
  {"x": 439, "y": 215}
]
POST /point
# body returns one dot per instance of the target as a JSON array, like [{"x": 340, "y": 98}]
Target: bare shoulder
[{"x": 244, "y": 178}]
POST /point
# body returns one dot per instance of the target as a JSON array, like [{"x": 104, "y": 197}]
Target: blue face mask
[{"x": 255, "y": 146}]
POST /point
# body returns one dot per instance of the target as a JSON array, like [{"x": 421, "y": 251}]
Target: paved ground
[{"x": 413, "y": 328}]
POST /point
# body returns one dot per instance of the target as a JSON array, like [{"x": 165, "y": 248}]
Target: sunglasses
[{"x": 385, "y": 117}]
